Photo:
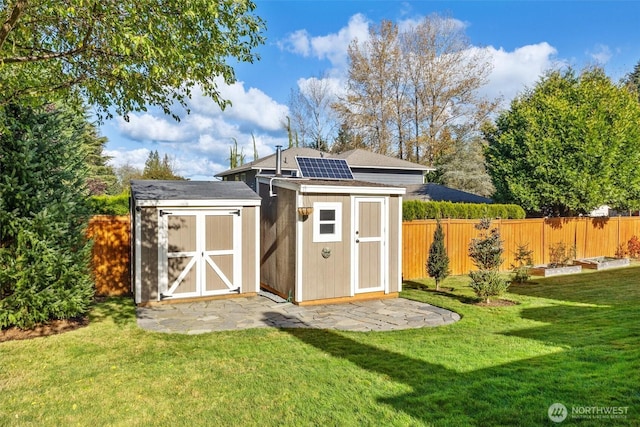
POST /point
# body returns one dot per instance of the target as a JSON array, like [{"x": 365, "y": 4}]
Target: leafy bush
[
  {"x": 110, "y": 205},
  {"x": 633, "y": 247},
  {"x": 621, "y": 251},
  {"x": 419, "y": 209},
  {"x": 487, "y": 283},
  {"x": 486, "y": 254},
  {"x": 561, "y": 255}
]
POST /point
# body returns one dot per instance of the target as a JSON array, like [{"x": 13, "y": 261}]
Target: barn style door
[
  {"x": 370, "y": 244},
  {"x": 199, "y": 253}
]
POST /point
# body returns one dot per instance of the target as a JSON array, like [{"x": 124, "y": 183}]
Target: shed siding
[
  {"x": 149, "y": 254},
  {"x": 249, "y": 243},
  {"x": 327, "y": 277},
  {"x": 395, "y": 230},
  {"x": 278, "y": 237}
]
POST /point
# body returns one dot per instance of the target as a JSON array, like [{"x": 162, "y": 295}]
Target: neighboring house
[
  {"x": 365, "y": 165},
  {"x": 440, "y": 193}
]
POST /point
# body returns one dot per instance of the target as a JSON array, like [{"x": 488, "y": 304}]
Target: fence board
[
  {"x": 591, "y": 236},
  {"x": 110, "y": 254}
]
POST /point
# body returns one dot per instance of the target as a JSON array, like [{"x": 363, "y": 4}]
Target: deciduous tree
[
  {"x": 414, "y": 92},
  {"x": 124, "y": 55},
  {"x": 314, "y": 120},
  {"x": 567, "y": 146}
]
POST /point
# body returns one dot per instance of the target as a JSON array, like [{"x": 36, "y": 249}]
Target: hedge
[
  {"x": 110, "y": 205},
  {"x": 418, "y": 209}
]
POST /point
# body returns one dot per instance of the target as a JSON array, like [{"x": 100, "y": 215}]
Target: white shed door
[
  {"x": 370, "y": 244},
  {"x": 200, "y": 253}
]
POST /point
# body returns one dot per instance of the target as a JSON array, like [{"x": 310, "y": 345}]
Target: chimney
[{"x": 278, "y": 160}]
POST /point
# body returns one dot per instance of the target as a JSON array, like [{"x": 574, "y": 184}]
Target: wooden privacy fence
[
  {"x": 111, "y": 253},
  {"x": 591, "y": 236}
]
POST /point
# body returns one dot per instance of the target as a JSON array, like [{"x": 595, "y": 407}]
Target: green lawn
[{"x": 573, "y": 340}]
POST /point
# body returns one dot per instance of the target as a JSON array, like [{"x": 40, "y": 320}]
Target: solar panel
[{"x": 320, "y": 167}]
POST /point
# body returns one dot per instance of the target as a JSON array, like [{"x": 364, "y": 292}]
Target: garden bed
[
  {"x": 543, "y": 270},
  {"x": 602, "y": 263}
]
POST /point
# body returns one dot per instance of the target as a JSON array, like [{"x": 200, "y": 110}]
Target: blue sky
[{"x": 309, "y": 39}]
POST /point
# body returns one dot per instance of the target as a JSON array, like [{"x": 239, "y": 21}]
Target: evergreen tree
[
  {"x": 486, "y": 254},
  {"x": 101, "y": 178},
  {"x": 632, "y": 80},
  {"x": 44, "y": 254},
  {"x": 438, "y": 262},
  {"x": 154, "y": 168}
]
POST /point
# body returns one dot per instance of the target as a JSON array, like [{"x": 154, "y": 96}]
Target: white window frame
[{"x": 336, "y": 236}]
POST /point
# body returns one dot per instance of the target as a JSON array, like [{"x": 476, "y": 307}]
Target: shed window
[{"x": 327, "y": 222}]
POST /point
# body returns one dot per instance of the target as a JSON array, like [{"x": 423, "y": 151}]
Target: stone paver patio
[{"x": 260, "y": 312}]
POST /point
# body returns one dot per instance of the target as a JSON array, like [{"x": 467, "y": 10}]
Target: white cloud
[
  {"x": 601, "y": 54},
  {"x": 252, "y": 106},
  {"x": 122, "y": 156},
  {"x": 146, "y": 127},
  {"x": 199, "y": 143},
  {"x": 336, "y": 86},
  {"x": 514, "y": 71},
  {"x": 331, "y": 46},
  {"x": 298, "y": 42}
]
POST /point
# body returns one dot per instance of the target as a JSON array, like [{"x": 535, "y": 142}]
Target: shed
[
  {"x": 325, "y": 241},
  {"x": 194, "y": 240}
]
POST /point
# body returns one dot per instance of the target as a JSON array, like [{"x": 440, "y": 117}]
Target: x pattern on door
[{"x": 201, "y": 253}]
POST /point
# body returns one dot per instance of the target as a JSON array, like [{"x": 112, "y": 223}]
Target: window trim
[{"x": 336, "y": 236}]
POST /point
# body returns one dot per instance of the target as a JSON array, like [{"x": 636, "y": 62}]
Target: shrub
[
  {"x": 561, "y": 255},
  {"x": 523, "y": 263},
  {"x": 418, "y": 209},
  {"x": 633, "y": 247},
  {"x": 486, "y": 254},
  {"x": 110, "y": 205},
  {"x": 438, "y": 262},
  {"x": 621, "y": 251}
]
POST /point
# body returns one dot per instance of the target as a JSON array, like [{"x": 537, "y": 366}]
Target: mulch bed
[{"x": 52, "y": 328}]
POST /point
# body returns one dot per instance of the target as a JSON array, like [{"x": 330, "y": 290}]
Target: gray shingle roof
[
  {"x": 355, "y": 158},
  {"x": 367, "y": 159},
  {"x": 269, "y": 162},
  {"x": 191, "y": 190},
  {"x": 440, "y": 193}
]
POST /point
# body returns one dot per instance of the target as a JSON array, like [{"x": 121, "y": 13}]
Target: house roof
[
  {"x": 269, "y": 162},
  {"x": 367, "y": 159},
  {"x": 440, "y": 193},
  {"x": 153, "y": 190},
  {"x": 355, "y": 158}
]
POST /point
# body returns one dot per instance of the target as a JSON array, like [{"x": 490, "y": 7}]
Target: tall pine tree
[
  {"x": 438, "y": 262},
  {"x": 44, "y": 254}
]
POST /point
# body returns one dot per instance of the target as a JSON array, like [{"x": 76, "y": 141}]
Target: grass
[{"x": 570, "y": 339}]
